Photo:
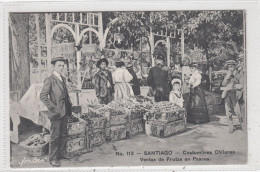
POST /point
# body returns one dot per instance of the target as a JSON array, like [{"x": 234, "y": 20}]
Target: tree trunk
[{"x": 19, "y": 68}]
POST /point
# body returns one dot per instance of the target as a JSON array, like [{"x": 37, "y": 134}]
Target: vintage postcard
[{"x": 138, "y": 87}]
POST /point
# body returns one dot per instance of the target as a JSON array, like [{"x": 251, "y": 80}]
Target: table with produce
[{"x": 92, "y": 125}]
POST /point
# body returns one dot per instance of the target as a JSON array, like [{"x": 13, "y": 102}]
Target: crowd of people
[{"x": 123, "y": 83}]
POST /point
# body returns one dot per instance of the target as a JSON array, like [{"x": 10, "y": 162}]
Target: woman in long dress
[
  {"x": 121, "y": 78},
  {"x": 197, "y": 107}
]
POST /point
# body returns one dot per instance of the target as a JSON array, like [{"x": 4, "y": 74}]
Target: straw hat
[
  {"x": 57, "y": 58},
  {"x": 176, "y": 80}
]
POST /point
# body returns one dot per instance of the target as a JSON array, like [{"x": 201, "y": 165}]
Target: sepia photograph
[{"x": 127, "y": 88}]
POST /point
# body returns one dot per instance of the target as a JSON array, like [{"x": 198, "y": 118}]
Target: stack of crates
[
  {"x": 76, "y": 141},
  {"x": 136, "y": 124},
  {"x": 95, "y": 128},
  {"x": 116, "y": 125},
  {"x": 165, "y": 124}
]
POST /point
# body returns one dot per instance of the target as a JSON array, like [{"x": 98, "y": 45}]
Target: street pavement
[{"x": 203, "y": 144}]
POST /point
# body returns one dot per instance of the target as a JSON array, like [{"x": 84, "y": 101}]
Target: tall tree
[{"x": 19, "y": 58}]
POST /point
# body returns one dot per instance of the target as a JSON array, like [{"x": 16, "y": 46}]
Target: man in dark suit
[
  {"x": 55, "y": 96},
  {"x": 158, "y": 81}
]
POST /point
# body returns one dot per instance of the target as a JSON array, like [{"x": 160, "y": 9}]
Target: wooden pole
[
  {"x": 48, "y": 41},
  {"x": 39, "y": 47},
  {"x": 77, "y": 41},
  {"x": 90, "y": 37},
  {"x": 38, "y": 34},
  {"x": 102, "y": 42}
]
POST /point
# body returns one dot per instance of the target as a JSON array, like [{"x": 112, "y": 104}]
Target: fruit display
[
  {"x": 112, "y": 111},
  {"x": 137, "y": 113},
  {"x": 142, "y": 99},
  {"x": 36, "y": 140},
  {"x": 72, "y": 119},
  {"x": 165, "y": 111},
  {"x": 36, "y": 145},
  {"x": 94, "y": 120},
  {"x": 90, "y": 115}
]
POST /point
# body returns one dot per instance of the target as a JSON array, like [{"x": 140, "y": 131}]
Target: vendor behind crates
[
  {"x": 55, "y": 96},
  {"x": 176, "y": 95}
]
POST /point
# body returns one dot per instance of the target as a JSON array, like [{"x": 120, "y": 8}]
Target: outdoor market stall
[{"x": 116, "y": 121}]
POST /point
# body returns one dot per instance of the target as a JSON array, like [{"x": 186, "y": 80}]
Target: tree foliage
[{"x": 219, "y": 34}]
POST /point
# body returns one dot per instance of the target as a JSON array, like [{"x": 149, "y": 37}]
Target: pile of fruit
[
  {"x": 142, "y": 99},
  {"x": 90, "y": 115},
  {"x": 165, "y": 111},
  {"x": 166, "y": 107},
  {"x": 36, "y": 140},
  {"x": 130, "y": 104},
  {"x": 72, "y": 119},
  {"x": 111, "y": 110}
]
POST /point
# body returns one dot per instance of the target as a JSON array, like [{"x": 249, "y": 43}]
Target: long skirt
[
  {"x": 197, "y": 107},
  {"x": 123, "y": 91}
]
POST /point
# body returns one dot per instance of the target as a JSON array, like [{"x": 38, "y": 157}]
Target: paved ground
[{"x": 212, "y": 137}]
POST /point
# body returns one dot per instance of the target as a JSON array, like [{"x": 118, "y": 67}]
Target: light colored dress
[
  {"x": 121, "y": 78},
  {"x": 176, "y": 98}
]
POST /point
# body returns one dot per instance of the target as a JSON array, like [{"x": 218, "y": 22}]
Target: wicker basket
[{"x": 38, "y": 150}]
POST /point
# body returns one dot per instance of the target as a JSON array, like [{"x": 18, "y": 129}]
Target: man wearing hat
[
  {"x": 229, "y": 94},
  {"x": 55, "y": 96},
  {"x": 158, "y": 81},
  {"x": 239, "y": 87}
]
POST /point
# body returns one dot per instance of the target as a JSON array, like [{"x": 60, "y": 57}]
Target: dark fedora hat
[
  {"x": 102, "y": 60},
  {"x": 57, "y": 58}
]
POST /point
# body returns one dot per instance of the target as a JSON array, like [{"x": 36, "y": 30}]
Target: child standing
[{"x": 176, "y": 95}]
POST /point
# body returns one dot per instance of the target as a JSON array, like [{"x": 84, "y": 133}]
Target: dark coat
[
  {"x": 205, "y": 82},
  {"x": 53, "y": 96},
  {"x": 101, "y": 78},
  {"x": 135, "y": 82},
  {"x": 158, "y": 80}
]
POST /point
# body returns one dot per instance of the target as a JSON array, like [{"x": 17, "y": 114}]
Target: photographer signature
[{"x": 34, "y": 160}]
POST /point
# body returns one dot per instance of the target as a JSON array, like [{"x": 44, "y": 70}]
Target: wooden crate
[
  {"x": 76, "y": 146},
  {"x": 166, "y": 116},
  {"x": 117, "y": 120},
  {"x": 159, "y": 129},
  {"x": 117, "y": 132},
  {"x": 97, "y": 123},
  {"x": 76, "y": 128},
  {"x": 96, "y": 137},
  {"x": 137, "y": 114},
  {"x": 136, "y": 127}
]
